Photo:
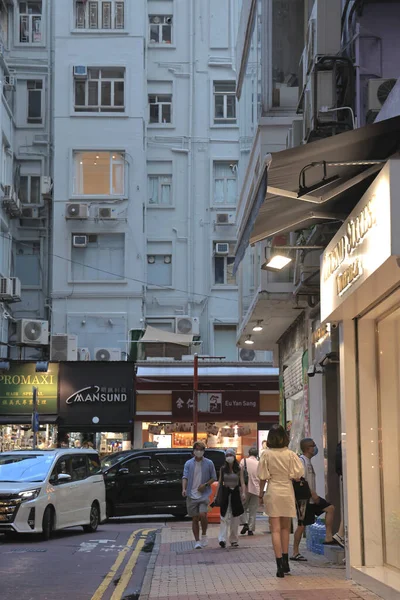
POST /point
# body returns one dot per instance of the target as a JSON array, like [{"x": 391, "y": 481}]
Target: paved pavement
[
  {"x": 179, "y": 572},
  {"x": 77, "y": 566}
]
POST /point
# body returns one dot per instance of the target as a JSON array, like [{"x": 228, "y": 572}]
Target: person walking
[
  {"x": 279, "y": 466},
  {"x": 231, "y": 491},
  {"x": 249, "y": 467},
  {"x": 198, "y": 475},
  {"x": 315, "y": 506}
]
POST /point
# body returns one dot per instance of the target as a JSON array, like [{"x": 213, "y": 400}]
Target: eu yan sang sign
[{"x": 363, "y": 243}]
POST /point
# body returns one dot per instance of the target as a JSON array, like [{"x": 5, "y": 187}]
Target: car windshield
[
  {"x": 111, "y": 460},
  {"x": 16, "y": 468}
]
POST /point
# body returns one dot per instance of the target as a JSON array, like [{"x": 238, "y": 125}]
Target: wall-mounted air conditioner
[
  {"x": 83, "y": 354},
  {"x": 11, "y": 202},
  {"x": 107, "y": 354},
  {"x": 249, "y": 355},
  {"x": 187, "y": 325},
  {"x": 323, "y": 32},
  {"x": 378, "y": 91},
  {"x": 106, "y": 213},
  {"x": 63, "y": 347},
  {"x": 9, "y": 82},
  {"x": 5, "y": 289},
  {"x": 225, "y": 218},
  {"x": 222, "y": 248},
  {"x": 79, "y": 241},
  {"x": 80, "y": 72},
  {"x": 30, "y": 212},
  {"x": 73, "y": 210},
  {"x": 16, "y": 288},
  {"x": 32, "y": 332}
]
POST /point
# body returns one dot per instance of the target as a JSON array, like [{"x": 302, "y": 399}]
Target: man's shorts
[
  {"x": 196, "y": 507},
  {"x": 312, "y": 511}
]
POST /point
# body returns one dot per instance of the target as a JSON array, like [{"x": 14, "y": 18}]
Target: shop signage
[
  {"x": 361, "y": 245},
  {"x": 237, "y": 406},
  {"x": 16, "y": 389},
  {"x": 96, "y": 393}
]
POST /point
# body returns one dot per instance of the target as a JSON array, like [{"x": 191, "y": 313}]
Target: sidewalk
[{"x": 247, "y": 573}]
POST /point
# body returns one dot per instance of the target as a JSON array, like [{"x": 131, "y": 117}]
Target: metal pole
[
  {"x": 195, "y": 394},
  {"x": 34, "y": 416}
]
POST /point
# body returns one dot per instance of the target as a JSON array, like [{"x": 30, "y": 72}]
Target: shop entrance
[{"x": 388, "y": 347}]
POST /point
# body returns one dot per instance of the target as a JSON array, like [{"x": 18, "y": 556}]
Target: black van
[{"x": 149, "y": 481}]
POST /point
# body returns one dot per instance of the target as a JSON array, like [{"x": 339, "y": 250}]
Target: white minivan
[{"x": 45, "y": 490}]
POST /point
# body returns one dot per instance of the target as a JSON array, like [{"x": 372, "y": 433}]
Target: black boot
[
  {"x": 285, "y": 559},
  {"x": 280, "y": 572}
]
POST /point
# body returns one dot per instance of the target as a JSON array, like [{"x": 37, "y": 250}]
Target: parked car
[
  {"x": 45, "y": 490},
  {"x": 149, "y": 481}
]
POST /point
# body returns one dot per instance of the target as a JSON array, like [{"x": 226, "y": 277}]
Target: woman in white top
[{"x": 279, "y": 466}]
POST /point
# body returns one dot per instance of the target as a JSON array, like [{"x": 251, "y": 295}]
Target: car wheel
[
  {"x": 48, "y": 523},
  {"x": 94, "y": 519}
]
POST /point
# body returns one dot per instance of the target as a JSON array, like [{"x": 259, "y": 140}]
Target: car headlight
[{"x": 29, "y": 495}]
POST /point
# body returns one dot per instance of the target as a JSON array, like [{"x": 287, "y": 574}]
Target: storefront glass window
[{"x": 389, "y": 400}]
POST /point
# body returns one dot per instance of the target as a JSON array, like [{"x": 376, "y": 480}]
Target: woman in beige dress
[{"x": 279, "y": 466}]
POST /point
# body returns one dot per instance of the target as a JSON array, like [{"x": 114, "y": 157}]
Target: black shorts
[{"x": 312, "y": 511}]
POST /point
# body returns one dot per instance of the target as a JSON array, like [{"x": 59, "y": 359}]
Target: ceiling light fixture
[
  {"x": 258, "y": 327},
  {"x": 249, "y": 340},
  {"x": 276, "y": 263}
]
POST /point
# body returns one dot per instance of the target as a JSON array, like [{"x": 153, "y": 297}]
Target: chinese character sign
[
  {"x": 238, "y": 405},
  {"x": 16, "y": 389}
]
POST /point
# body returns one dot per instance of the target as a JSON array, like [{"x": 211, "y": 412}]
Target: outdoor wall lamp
[
  {"x": 42, "y": 366},
  {"x": 258, "y": 327},
  {"x": 248, "y": 341},
  {"x": 276, "y": 263}
]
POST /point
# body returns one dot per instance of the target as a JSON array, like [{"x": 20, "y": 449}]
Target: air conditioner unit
[
  {"x": 79, "y": 241},
  {"x": 16, "y": 288},
  {"x": 30, "y": 212},
  {"x": 11, "y": 202},
  {"x": 249, "y": 355},
  {"x": 5, "y": 288},
  {"x": 106, "y": 213},
  {"x": 107, "y": 354},
  {"x": 83, "y": 354},
  {"x": 225, "y": 219},
  {"x": 80, "y": 72},
  {"x": 32, "y": 332},
  {"x": 8, "y": 192},
  {"x": 378, "y": 91},
  {"x": 187, "y": 325},
  {"x": 9, "y": 82},
  {"x": 46, "y": 185},
  {"x": 63, "y": 347},
  {"x": 323, "y": 32},
  {"x": 222, "y": 248},
  {"x": 76, "y": 211}
]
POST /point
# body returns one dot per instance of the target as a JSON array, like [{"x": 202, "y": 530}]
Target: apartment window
[
  {"x": 30, "y": 22},
  {"x": 160, "y": 190},
  {"x": 102, "y": 259},
  {"x": 160, "y": 29},
  {"x": 27, "y": 263},
  {"x": 35, "y": 92},
  {"x": 225, "y": 183},
  {"x": 29, "y": 189},
  {"x": 160, "y": 108},
  {"x": 99, "y": 173},
  {"x": 223, "y": 263},
  {"x": 224, "y": 102},
  {"x": 102, "y": 91},
  {"x": 99, "y": 15}
]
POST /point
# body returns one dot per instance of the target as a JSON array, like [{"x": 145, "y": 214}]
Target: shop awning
[
  {"x": 27, "y": 419},
  {"x": 152, "y": 334},
  {"x": 275, "y": 206}
]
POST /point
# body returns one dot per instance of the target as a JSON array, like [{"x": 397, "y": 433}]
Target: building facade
[{"x": 292, "y": 202}]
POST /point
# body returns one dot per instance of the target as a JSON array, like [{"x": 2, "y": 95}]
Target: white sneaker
[
  {"x": 338, "y": 538},
  {"x": 204, "y": 541},
  {"x": 198, "y": 546}
]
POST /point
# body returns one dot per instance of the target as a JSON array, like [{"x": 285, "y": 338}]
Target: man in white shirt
[
  {"x": 316, "y": 506},
  {"x": 250, "y": 505}
]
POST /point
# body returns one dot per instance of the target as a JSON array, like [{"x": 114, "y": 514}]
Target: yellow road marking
[
  {"x": 127, "y": 572},
  {"x": 98, "y": 595}
]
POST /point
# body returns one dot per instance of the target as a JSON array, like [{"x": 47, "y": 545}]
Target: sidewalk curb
[{"x": 146, "y": 587}]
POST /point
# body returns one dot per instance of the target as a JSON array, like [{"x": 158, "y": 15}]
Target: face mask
[
  {"x": 230, "y": 459},
  {"x": 315, "y": 450},
  {"x": 199, "y": 453}
]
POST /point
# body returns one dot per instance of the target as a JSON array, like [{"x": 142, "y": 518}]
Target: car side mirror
[
  {"x": 123, "y": 471},
  {"x": 62, "y": 478}
]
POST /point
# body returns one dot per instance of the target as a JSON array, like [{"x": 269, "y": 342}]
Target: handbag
[
  {"x": 245, "y": 474},
  {"x": 301, "y": 490}
]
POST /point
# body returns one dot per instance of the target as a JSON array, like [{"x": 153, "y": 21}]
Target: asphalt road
[{"x": 73, "y": 565}]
